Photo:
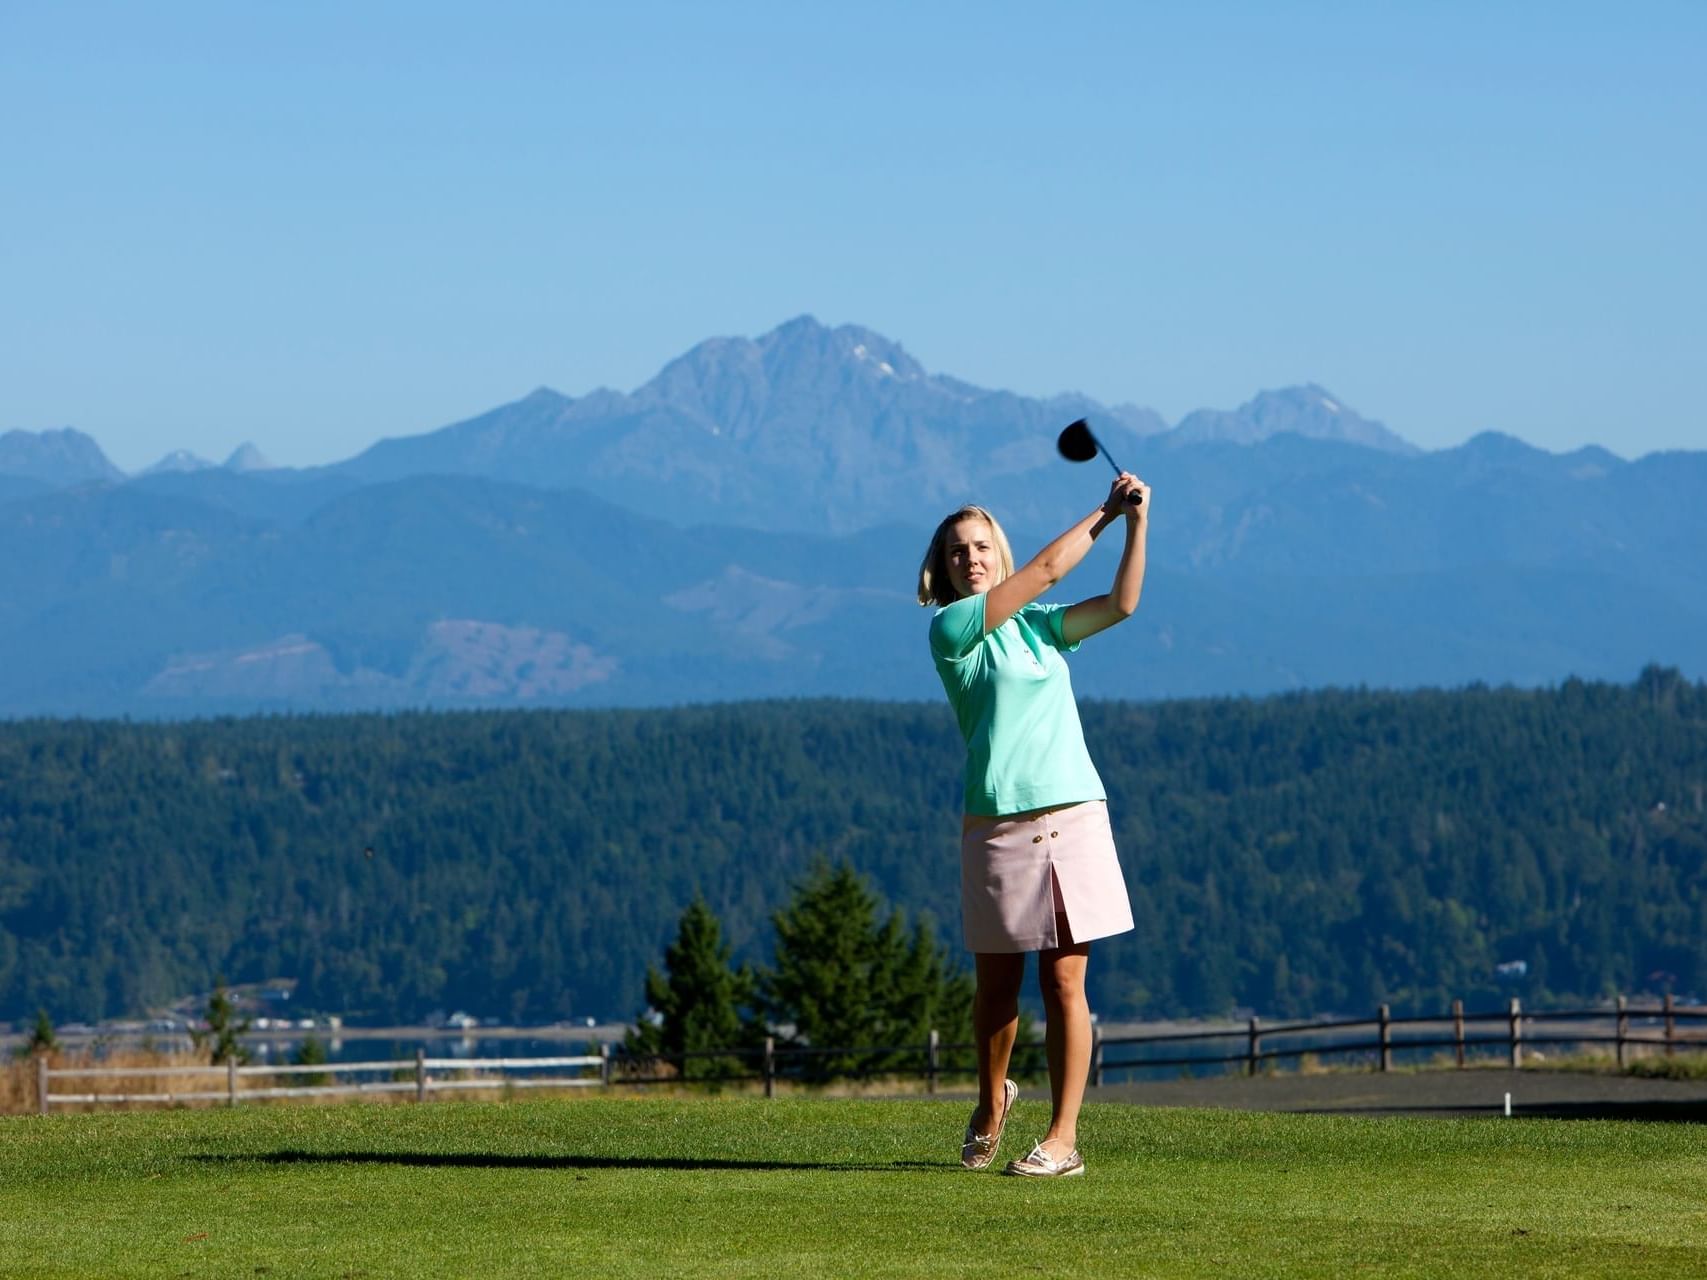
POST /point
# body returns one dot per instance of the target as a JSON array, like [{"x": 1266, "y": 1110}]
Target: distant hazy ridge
[{"x": 749, "y": 522}]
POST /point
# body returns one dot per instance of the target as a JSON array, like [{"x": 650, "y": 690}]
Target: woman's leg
[
  {"x": 1066, "y": 1036},
  {"x": 995, "y": 1024}
]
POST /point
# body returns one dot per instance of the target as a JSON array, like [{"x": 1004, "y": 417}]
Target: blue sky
[{"x": 313, "y": 225}]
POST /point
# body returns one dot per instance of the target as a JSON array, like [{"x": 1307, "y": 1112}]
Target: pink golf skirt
[{"x": 1017, "y": 871}]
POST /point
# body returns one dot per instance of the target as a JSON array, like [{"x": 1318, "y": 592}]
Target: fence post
[
  {"x": 1623, "y": 1029},
  {"x": 604, "y": 1062},
  {"x": 770, "y": 1066},
  {"x": 1253, "y": 1046},
  {"x": 1671, "y": 1026},
  {"x": 1385, "y": 1017},
  {"x": 1458, "y": 1030},
  {"x": 41, "y": 1081},
  {"x": 1516, "y": 1017},
  {"x": 231, "y": 1081},
  {"x": 1096, "y": 1054},
  {"x": 931, "y": 1047},
  {"x": 420, "y": 1074}
]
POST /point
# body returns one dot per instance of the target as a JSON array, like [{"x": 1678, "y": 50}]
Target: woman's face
[{"x": 973, "y": 564}]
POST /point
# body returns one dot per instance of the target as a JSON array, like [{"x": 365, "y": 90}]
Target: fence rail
[
  {"x": 931, "y": 1060},
  {"x": 419, "y": 1071},
  {"x": 1382, "y": 1045}
]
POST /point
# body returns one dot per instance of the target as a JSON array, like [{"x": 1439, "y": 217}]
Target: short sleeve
[
  {"x": 957, "y": 628},
  {"x": 1047, "y": 620}
]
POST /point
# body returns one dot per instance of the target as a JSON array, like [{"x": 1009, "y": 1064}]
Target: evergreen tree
[
  {"x": 311, "y": 1053},
  {"x": 844, "y": 980},
  {"x": 932, "y": 994},
  {"x": 698, "y": 1001},
  {"x": 41, "y": 1038},
  {"x": 223, "y": 1028}
]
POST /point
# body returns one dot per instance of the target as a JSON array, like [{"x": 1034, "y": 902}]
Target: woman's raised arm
[
  {"x": 1056, "y": 560},
  {"x": 1101, "y": 612}
]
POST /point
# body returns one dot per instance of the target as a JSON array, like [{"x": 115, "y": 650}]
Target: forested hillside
[{"x": 1297, "y": 854}]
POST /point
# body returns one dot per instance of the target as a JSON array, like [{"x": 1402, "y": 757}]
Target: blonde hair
[{"x": 935, "y": 586}]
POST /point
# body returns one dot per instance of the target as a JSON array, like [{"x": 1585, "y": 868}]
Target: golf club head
[{"x": 1076, "y": 443}]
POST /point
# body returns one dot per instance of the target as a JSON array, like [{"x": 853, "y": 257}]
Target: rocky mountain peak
[
  {"x": 178, "y": 460},
  {"x": 1309, "y": 410},
  {"x": 736, "y": 386},
  {"x": 63, "y": 456},
  {"x": 803, "y": 341},
  {"x": 246, "y": 457}
]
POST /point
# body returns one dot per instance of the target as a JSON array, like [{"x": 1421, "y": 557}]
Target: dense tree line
[{"x": 1310, "y": 852}]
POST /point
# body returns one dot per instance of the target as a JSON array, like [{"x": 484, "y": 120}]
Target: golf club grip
[{"x": 1133, "y": 500}]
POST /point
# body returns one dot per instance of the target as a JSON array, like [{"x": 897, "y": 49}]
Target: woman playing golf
[{"x": 1038, "y": 870}]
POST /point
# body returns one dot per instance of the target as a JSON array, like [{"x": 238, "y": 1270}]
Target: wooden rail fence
[
  {"x": 403, "y": 1075},
  {"x": 1513, "y": 1033}
]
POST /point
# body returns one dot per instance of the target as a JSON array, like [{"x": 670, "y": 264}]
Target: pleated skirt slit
[{"x": 1017, "y": 871}]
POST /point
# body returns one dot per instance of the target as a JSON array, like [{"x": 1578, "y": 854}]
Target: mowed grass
[{"x": 617, "y": 1187}]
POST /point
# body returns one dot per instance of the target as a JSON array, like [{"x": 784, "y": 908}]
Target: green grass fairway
[{"x": 826, "y": 1187}]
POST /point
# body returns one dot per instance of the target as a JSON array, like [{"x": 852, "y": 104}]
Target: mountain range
[{"x": 749, "y": 522}]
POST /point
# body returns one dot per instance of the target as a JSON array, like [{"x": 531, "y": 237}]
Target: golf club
[{"x": 1076, "y": 443}]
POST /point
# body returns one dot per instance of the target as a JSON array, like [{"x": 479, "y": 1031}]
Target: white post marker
[{"x": 1508, "y": 1106}]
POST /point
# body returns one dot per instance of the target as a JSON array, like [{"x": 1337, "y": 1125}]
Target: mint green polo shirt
[{"x": 1011, "y": 693}]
